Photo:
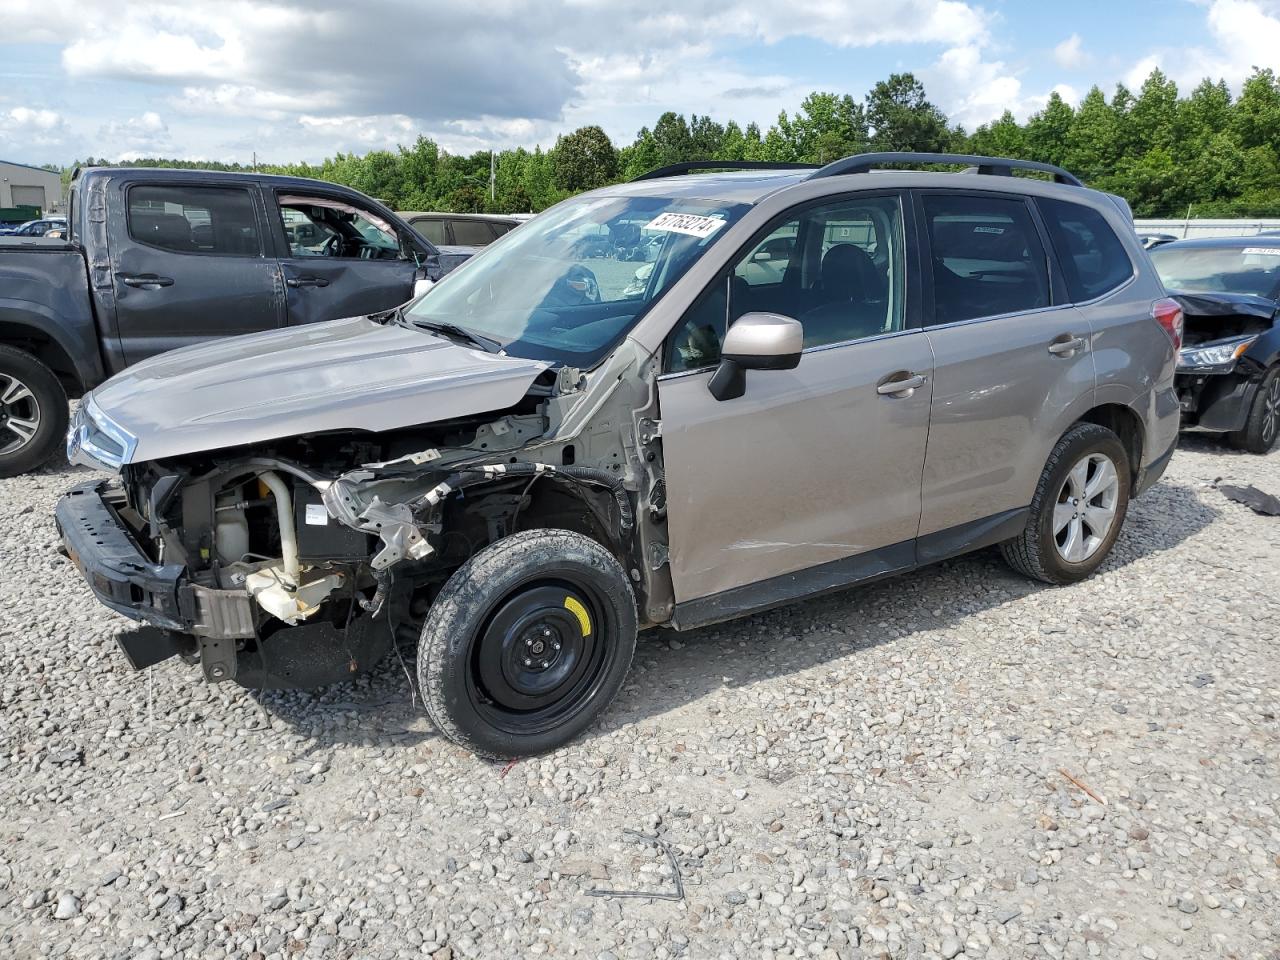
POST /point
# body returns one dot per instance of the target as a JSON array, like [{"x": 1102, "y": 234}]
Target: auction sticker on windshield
[{"x": 688, "y": 223}]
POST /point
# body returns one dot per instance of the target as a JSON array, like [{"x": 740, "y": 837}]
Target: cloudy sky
[{"x": 300, "y": 80}]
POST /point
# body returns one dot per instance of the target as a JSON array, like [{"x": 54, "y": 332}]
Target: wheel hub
[{"x": 542, "y": 646}]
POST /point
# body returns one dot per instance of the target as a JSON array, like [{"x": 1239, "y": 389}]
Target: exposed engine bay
[{"x": 302, "y": 557}]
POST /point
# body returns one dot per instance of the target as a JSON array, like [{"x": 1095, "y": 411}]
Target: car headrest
[{"x": 848, "y": 272}]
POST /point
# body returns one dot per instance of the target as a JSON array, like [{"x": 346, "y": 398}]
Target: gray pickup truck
[{"x": 159, "y": 259}]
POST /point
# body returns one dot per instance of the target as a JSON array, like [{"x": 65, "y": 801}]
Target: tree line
[{"x": 1206, "y": 154}]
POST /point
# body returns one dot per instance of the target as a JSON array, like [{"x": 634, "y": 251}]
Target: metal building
[{"x": 21, "y": 185}]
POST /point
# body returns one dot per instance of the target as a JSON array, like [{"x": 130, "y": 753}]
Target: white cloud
[
  {"x": 1244, "y": 34},
  {"x": 30, "y": 126},
  {"x": 973, "y": 90},
  {"x": 146, "y": 135},
  {"x": 287, "y": 74},
  {"x": 1069, "y": 54}
]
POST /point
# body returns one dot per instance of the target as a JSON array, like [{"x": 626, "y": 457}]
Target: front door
[
  {"x": 1009, "y": 365},
  {"x": 812, "y": 478},
  {"x": 189, "y": 265},
  {"x": 340, "y": 260}
]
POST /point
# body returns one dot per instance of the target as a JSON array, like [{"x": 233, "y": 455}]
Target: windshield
[
  {"x": 567, "y": 285},
  {"x": 1253, "y": 270}
]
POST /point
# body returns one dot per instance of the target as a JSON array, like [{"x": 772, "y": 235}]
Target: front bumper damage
[
  {"x": 123, "y": 578},
  {"x": 220, "y": 629},
  {"x": 1217, "y": 401}
]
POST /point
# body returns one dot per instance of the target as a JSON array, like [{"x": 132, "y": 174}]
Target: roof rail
[
  {"x": 998, "y": 166},
  {"x": 688, "y": 166}
]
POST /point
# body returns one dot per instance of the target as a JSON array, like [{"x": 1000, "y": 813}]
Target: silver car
[{"x": 547, "y": 452}]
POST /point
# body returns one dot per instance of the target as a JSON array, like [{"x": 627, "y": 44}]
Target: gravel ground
[{"x": 956, "y": 762}]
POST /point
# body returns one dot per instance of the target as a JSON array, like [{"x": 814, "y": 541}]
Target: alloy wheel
[
  {"x": 1271, "y": 413},
  {"x": 1086, "y": 508},
  {"x": 19, "y": 414}
]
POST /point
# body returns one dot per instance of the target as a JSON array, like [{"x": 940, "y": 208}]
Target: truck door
[
  {"x": 189, "y": 264},
  {"x": 341, "y": 258}
]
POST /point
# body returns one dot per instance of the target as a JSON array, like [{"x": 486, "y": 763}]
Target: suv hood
[{"x": 344, "y": 375}]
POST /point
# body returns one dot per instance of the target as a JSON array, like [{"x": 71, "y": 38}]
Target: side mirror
[
  {"x": 760, "y": 256},
  {"x": 758, "y": 341}
]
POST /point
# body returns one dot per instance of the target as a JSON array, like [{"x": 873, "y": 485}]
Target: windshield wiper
[{"x": 456, "y": 332}]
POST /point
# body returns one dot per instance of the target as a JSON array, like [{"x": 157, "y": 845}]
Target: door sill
[{"x": 848, "y": 571}]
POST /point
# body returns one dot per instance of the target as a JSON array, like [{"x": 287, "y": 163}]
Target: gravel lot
[{"x": 879, "y": 773}]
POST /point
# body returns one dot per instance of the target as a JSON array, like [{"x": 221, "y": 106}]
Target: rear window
[
  {"x": 471, "y": 233},
  {"x": 987, "y": 257},
  {"x": 433, "y": 230},
  {"x": 218, "y": 220},
  {"x": 1094, "y": 261}
]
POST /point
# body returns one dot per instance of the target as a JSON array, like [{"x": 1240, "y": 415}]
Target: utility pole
[
  {"x": 255, "y": 161},
  {"x": 493, "y": 177}
]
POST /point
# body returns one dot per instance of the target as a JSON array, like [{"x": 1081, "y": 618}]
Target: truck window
[
  {"x": 323, "y": 227},
  {"x": 211, "y": 220}
]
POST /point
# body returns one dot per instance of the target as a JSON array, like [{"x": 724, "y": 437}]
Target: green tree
[
  {"x": 1047, "y": 130},
  {"x": 900, "y": 117},
  {"x": 584, "y": 160}
]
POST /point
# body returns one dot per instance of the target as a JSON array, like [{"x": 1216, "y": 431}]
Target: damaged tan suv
[{"x": 818, "y": 377}]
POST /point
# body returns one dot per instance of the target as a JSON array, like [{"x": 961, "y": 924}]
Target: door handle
[
  {"x": 147, "y": 281},
  {"x": 902, "y": 387},
  {"x": 1066, "y": 345},
  {"x": 307, "y": 282}
]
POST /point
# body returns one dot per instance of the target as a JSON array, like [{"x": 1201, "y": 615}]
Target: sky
[{"x": 290, "y": 80}]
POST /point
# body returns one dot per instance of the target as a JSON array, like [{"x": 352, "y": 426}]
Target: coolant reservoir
[{"x": 231, "y": 528}]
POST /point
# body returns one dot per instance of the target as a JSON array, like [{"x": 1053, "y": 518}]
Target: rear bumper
[
  {"x": 1154, "y": 470},
  {"x": 125, "y": 579}
]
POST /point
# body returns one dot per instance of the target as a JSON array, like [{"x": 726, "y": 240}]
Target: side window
[
  {"x": 836, "y": 267},
  {"x": 767, "y": 263},
  {"x": 433, "y": 230},
  {"x": 322, "y": 227},
  {"x": 1093, "y": 259},
  {"x": 987, "y": 257},
  {"x": 471, "y": 233},
  {"x": 500, "y": 229},
  {"x": 216, "y": 220}
]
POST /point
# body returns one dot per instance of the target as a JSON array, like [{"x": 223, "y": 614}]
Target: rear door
[
  {"x": 1010, "y": 365},
  {"x": 189, "y": 264},
  {"x": 340, "y": 258}
]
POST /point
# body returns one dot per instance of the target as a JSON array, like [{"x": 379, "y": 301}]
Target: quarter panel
[{"x": 1136, "y": 362}]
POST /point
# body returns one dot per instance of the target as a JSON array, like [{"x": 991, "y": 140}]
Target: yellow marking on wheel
[{"x": 574, "y": 606}]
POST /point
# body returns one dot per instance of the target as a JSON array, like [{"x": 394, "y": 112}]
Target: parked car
[
  {"x": 1229, "y": 368},
  {"x": 460, "y": 229},
  {"x": 34, "y": 228},
  {"x": 175, "y": 257},
  {"x": 526, "y": 467}
]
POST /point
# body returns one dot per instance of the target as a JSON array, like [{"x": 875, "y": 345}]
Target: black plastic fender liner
[{"x": 473, "y": 476}]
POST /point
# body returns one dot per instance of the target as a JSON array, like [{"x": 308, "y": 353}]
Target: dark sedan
[{"x": 1229, "y": 367}]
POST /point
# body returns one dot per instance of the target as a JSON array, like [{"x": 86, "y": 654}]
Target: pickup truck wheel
[
  {"x": 1078, "y": 508},
  {"x": 1262, "y": 426},
  {"x": 527, "y": 643},
  {"x": 33, "y": 412}
]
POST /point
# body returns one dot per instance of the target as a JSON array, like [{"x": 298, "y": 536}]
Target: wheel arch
[
  {"x": 1125, "y": 423},
  {"x": 25, "y": 335}
]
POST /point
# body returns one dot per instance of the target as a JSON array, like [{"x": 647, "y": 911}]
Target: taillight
[{"x": 1168, "y": 313}]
